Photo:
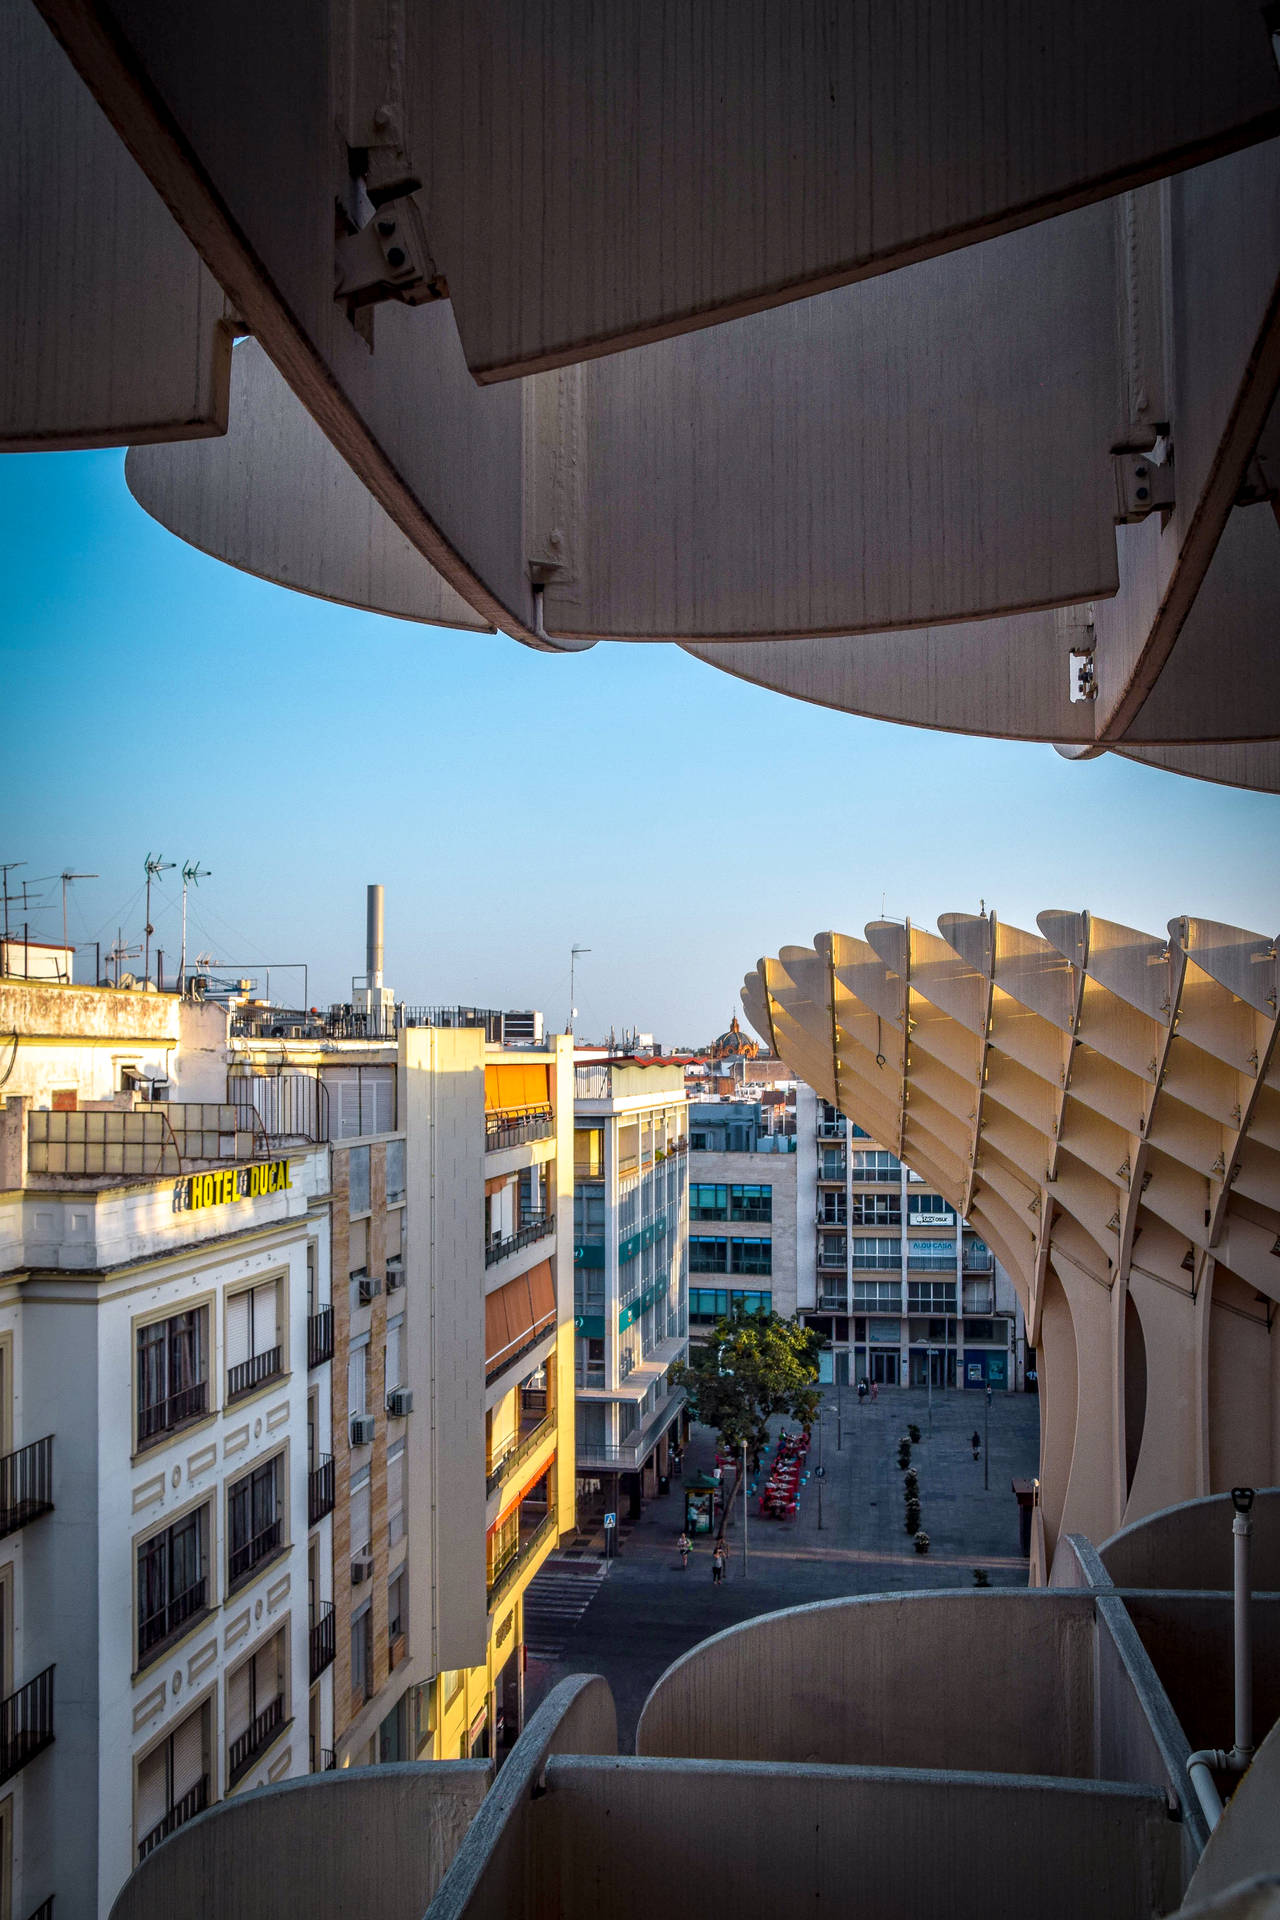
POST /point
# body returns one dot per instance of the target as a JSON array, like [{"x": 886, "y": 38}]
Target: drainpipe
[{"x": 1202, "y": 1765}]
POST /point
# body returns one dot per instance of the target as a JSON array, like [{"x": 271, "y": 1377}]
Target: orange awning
[{"x": 517, "y": 1084}]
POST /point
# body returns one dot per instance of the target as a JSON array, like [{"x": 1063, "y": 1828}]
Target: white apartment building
[
  {"x": 630, "y": 1211},
  {"x": 158, "y": 1569},
  {"x": 743, "y": 1211}
]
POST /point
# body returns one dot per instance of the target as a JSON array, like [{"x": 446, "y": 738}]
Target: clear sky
[{"x": 677, "y": 822}]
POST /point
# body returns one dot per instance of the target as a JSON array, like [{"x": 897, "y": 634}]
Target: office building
[
  {"x": 743, "y": 1210},
  {"x": 630, "y": 1210}
]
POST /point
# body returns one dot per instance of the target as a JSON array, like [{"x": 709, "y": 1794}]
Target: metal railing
[
  {"x": 44, "y": 1911},
  {"x": 343, "y": 1021},
  {"x": 155, "y": 1628},
  {"x": 26, "y": 1724},
  {"x": 519, "y": 1453},
  {"x": 832, "y": 1130},
  {"x": 320, "y": 1493},
  {"x": 253, "y": 1372},
  {"x": 840, "y": 1219},
  {"x": 324, "y": 1643},
  {"x": 978, "y": 1263},
  {"x": 516, "y": 1126},
  {"x": 193, "y": 1801},
  {"x": 254, "y": 1551},
  {"x": 506, "y": 1578},
  {"x": 536, "y": 1333},
  {"x": 244, "y": 1750},
  {"x": 162, "y": 1416},
  {"x": 106, "y": 1143},
  {"x": 320, "y": 1337},
  {"x": 533, "y": 1229},
  {"x": 26, "y": 1485},
  {"x": 285, "y": 1105},
  {"x": 833, "y": 1303},
  {"x": 328, "y": 1760}
]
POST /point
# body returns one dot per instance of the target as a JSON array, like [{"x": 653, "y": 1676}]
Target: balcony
[
  {"x": 323, "y": 1639},
  {"x": 535, "y": 1228},
  {"x": 171, "y": 1617},
  {"x": 831, "y": 1258},
  {"x": 320, "y": 1490},
  {"x": 194, "y": 1801},
  {"x": 320, "y": 1337},
  {"x": 979, "y": 1263},
  {"x": 506, "y": 1576},
  {"x": 26, "y": 1724},
  {"x": 26, "y": 1485},
  {"x": 159, "y": 1417},
  {"x": 256, "y": 1737},
  {"x": 519, "y": 1452},
  {"x": 517, "y": 1126},
  {"x": 44, "y": 1911},
  {"x": 254, "y": 1372},
  {"x": 833, "y": 1302},
  {"x": 831, "y": 1220},
  {"x": 254, "y": 1552},
  {"x": 831, "y": 1129}
]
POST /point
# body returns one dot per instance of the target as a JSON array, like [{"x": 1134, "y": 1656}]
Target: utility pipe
[{"x": 1202, "y": 1766}]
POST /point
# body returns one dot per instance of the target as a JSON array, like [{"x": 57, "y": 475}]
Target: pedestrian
[
  {"x": 875, "y": 1391},
  {"x": 683, "y": 1547},
  {"x": 975, "y": 1442},
  {"x": 717, "y": 1564},
  {"x": 862, "y": 1391}
]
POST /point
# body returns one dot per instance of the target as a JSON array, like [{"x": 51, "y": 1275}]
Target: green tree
[{"x": 754, "y": 1365}]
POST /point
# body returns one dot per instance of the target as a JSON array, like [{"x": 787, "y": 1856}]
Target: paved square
[{"x": 648, "y": 1611}]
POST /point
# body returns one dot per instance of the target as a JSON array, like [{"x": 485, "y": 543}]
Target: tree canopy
[{"x": 754, "y": 1365}]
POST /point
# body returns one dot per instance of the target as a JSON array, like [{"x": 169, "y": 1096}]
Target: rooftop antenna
[
  {"x": 573, "y": 962},
  {"x": 156, "y": 864},
  {"x": 192, "y": 874},
  {"x": 6, "y": 868},
  {"x": 119, "y": 952},
  {"x": 66, "y": 879}
]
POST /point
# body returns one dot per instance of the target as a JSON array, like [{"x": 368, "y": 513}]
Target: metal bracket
[
  {"x": 388, "y": 259},
  {"x": 1144, "y": 480}
]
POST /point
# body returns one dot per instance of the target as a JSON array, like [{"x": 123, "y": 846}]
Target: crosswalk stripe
[{"x": 554, "y": 1603}]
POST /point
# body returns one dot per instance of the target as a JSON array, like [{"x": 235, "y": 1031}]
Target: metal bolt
[
  {"x": 383, "y": 117},
  {"x": 1142, "y": 493},
  {"x": 395, "y": 256},
  {"x": 386, "y": 227}
]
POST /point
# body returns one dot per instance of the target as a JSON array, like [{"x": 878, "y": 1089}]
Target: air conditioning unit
[
  {"x": 361, "y": 1569},
  {"x": 400, "y": 1402},
  {"x": 363, "y": 1428},
  {"x": 395, "y": 1277},
  {"x": 369, "y": 1289}
]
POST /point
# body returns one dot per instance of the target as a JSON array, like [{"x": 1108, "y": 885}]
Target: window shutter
[
  {"x": 238, "y": 1324},
  {"x": 395, "y": 1332},
  {"x": 188, "y": 1754},
  {"x": 384, "y": 1103},
  {"x": 356, "y": 1380},
  {"x": 348, "y": 1107},
  {"x": 361, "y": 1518},
  {"x": 153, "y": 1785},
  {"x": 267, "y": 1674},
  {"x": 266, "y": 1322},
  {"x": 239, "y": 1701}
]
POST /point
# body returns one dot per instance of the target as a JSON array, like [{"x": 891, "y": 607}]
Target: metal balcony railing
[
  {"x": 323, "y": 1639},
  {"x": 533, "y": 1229},
  {"x": 320, "y": 1490},
  {"x": 162, "y": 1416},
  {"x": 254, "y": 1551},
  {"x": 320, "y": 1337},
  {"x": 26, "y": 1724},
  {"x": 516, "y": 1126},
  {"x": 26, "y": 1485},
  {"x": 831, "y": 1130},
  {"x": 193, "y": 1801},
  {"x": 519, "y": 1452},
  {"x": 155, "y": 1628},
  {"x": 833, "y": 1303},
  {"x": 508, "y": 1574},
  {"x": 254, "y": 1372},
  {"x": 44, "y": 1911},
  {"x": 244, "y": 1750}
]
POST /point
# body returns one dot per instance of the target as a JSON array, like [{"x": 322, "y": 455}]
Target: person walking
[
  {"x": 875, "y": 1391},
  {"x": 683, "y": 1548},
  {"x": 717, "y": 1564},
  {"x": 975, "y": 1441}
]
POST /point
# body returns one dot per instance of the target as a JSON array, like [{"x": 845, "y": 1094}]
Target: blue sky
[{"x": 630, "y": 799}]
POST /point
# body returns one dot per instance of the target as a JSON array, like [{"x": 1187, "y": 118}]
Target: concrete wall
[
  {"x": 1190, "y": 1640},
  {"x": 1000, "y": 1680},
  {"x": 1192, "y": 1546},
  {"x": 375, "y": 1842}
]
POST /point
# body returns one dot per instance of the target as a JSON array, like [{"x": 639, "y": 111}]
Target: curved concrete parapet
[
  {"x": 1255, "y": 1899},
  {"x": 493, "y": 1875},
  {"x": 1191, "y": 1545},
  {"x": 1247, "y": 1838},
  {"x": 373, "y": 1840},
  {"x": 1000, "y": 1680}
]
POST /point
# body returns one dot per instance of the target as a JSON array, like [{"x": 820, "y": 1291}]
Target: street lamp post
[
  {"x": 986, "y": 1448},
  {"x": 745, "y": 1557}
]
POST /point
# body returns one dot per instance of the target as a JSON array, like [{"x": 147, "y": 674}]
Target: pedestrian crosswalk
[{"x": 555, "y": 1602}]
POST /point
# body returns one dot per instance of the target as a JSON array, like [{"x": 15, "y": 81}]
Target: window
[
  {"x": 361, "y": 1100},
  {"x": 873, "y": 1253},
  {"x": 708, "y": 1303},
  {"x": 751, "y": 1203},
  {"x": 397, "y": 1492},
  {"x": 360, "y": 1507},
  {"x": 707, "y": 1255},
  {"x": 358, "y": 1179},
  {"x": 173, "y": 1384},
  {"x": 397, "y": 1606},
  {"x": 697, "y": 1142},
  {"x": 752, "y": 1256},
  {"x": 362, "y": 1652},
  {"x": 831, "y": 1163},
  {"x": 173, "y": 1580},
  {"x": 254, "y": 1350},
  {"x": 929, "y": 1207},
  {"x": 707, "y": 1201},
  {"x": 873, "y": 1163},
  {"x": 588, "y": 1152},
  {"x": 832, "y": 1251},
  {"x": 887, "y": 1332},
  {"x": 876, "y": 1210},
  {"x": 255, "y": 1706},
  {"x": 395, "y": 1172},
  {"x": 255, "y": 1519},
  {"x": 358, "y": 1379},
  {"x": 938, "y": 1254},
  {"x": 877, "y": 1293},
  {"x": 173, "y": 1781},
  {"x": 452, "y": 1684},
  {"x": 831, "y": 1210},
  {"x": 394, "y": 1376},
  {"x": 931, "y": 1296},
  {"x": 982, "y": 1330},
  {"x": 393, "y": 1734}
]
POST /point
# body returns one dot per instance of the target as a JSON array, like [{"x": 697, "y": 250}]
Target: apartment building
[
  {"x": 743, "y": 1210},
  {"x": 159, "y": 1555},
  {"x": 630, "y": 1223}
]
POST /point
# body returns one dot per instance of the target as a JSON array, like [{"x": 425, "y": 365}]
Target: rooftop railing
[
  {"x": 163, "y": 1137},
  {"x": 343, "y": 1021}
]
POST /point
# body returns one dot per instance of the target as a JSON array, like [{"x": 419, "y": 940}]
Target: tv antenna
[
  {"x": 119, "y": 952},
  {"x": 6, "y": 868},
  {"x": 192, "y": 874},
  {"x": 66, "y": 879},
  {"x": 573, "y": 962},
  {"x": 156, "y": 864}
]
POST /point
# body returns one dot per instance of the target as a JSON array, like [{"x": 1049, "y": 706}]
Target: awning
[{"x": 524, "y": 1083}]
